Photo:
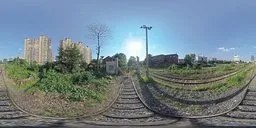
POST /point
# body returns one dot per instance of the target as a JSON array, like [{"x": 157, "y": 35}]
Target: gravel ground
[
  {"x": 128, "y": 109},
  {"x": 185, "y": 110}
]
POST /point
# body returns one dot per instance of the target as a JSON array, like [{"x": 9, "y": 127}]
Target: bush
[
  {"x": 197, "y": 66},
  {"x": 63, "y": 84},
  {"x": 145, "y": 80},
  {"x": 100, "y": 84},
  {"x": 173, "y": 67},
  {"x": 82, "y": 78}
]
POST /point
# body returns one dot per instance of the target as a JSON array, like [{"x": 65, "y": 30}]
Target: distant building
[
  {"x": 108, "y": 58},
  {"x": 252, "y": 58},
  {"x": 181, "y": 61},
  {"x": 237, "y": 58},
  {"x": 163, "y": 60},
  {"x": 38, "y": 50},
  {"x": 84, "y": 50},
  {"x": 214, "y": 59},
  {"x": 200, "y": 59}
]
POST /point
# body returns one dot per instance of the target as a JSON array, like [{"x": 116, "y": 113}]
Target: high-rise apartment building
[
  {"x": 84, "y": 50},
  {"x": 237, "y": 58},
  {"x": 38, "y": 50},
  {"x": 252, "y": 58}
]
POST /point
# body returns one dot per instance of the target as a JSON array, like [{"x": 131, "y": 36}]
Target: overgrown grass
[
  {"x": 201, "y": 73},
  {"x": 76, "y": 87},
  {"x": 236, "y": 80},
  {"x": 21, "y": 74}
]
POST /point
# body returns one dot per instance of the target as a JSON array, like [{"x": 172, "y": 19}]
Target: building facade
[
  {"x": 181, "y": 61},
  {"x": 200, "y": 59},
  {"x": 163, "y": 60},
  {"x": 252, "y": 58},
  {"x": 38, "y": 50},
  {"x": 84, "y": 50},
  {"x": 237, "y": 58}
]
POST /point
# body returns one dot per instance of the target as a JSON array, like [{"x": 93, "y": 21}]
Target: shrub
[
  {"x": 63, "y": 84},
  {"x": 100, "y": 84},
  {"x": 173, "y": 67},
  {"x": 146, "y": 80},
  {"x": 82, "y": 78},
  {"x": 197, "y": 66}
]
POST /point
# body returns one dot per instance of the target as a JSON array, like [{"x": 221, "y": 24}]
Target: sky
[{"x": 213, "y": 28}]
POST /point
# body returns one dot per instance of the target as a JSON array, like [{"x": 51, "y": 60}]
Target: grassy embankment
[
  {"x": 236, "y": 80},
  {"x": 84, "y": 88},
  {"x": 200, "y": 73}
]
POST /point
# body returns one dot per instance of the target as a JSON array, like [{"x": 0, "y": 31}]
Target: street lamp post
[{"x": 146, "y": 28}]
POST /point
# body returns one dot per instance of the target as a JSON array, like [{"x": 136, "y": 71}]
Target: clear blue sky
[{"x": 214, "y": 28}]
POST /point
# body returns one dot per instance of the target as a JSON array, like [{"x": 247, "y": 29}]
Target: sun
[{"x": 134, "y": 47}]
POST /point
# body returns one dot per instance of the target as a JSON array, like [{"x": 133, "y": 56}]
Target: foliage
[
  {"x": 235, "y": 80},
  {"x": 197, "y": 71},
  {"x": 5, "y": 60},
  {"x": 76, "y": 86},
  {"x": 84, "y": 66},
  {"x": 100, "y": 84},
  {"x": 21, "y": 72},
  {"x": 173, "y": 67},
  {"x": 132, "y": 62},
  {"x": 69, "y": 60},
  {"x": 197, "y": 66},
  {"x": 63, "y": 84},
  {"x": 188, "y": 60},
  {"x": 17, "y": 73},
  {"x": 145, "y": 80},
  {"x": 82, "y": 78},
  {"x": 121, "y": 59}
]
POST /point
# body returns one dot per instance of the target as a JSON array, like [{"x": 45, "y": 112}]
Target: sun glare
[{"x": 134, "y": 48}]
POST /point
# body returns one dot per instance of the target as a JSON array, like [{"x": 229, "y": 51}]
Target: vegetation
[
  {"x": 98, "y": 32},
  {"x": 236, "y": 80},
  {"x": 69, "y": 60},
  {"x": 146, "y": 80},
  {"x": 132, "y": 62},
  {"x": 21, "y": 72},
  {"x": 121, "y": 60},
  {"x": 188, "y": 60},
  {"x": 197, "y": 71},
  {"x": 68, "y": 76},
  {"x": 76, "y": 87}
]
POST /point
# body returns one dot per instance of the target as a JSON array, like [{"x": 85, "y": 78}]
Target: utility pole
[{"x": 146, "y": 28}]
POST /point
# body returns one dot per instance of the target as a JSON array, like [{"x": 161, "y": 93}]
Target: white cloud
[{"x": 223, "y": 49}]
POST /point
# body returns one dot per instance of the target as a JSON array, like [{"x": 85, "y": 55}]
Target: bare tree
[{"x": 99, "y": 32}]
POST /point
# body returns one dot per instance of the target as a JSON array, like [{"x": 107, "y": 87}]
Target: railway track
[
  {"x": 243, "y": 115},
  {"x": 167, "y": 78},
  {"x": 128, "y": 109},
  {"x": 7, "y": 109}
]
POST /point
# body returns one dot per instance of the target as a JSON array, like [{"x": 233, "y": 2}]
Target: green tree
[
  {"x": 188, "y": 60},
  {"x": 121, "y": 59},
  {"x": 5, "y": 60},
  {"x": 69, "y": 60},
  {"x": 132, "y": 62}
]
